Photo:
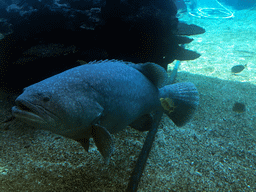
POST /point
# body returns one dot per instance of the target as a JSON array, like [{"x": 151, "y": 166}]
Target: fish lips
[{"x": 31, "y": 113}]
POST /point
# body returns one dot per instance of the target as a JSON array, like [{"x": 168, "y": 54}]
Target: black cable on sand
[{"x": 142, "y": 159}]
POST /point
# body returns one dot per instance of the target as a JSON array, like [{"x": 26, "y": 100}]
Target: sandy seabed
[{"x": 215, "y": 151}]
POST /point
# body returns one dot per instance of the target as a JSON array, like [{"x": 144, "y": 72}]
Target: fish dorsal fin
[
  {"x": 155, "y": 73},
  {"x": 103, "y": 141}
]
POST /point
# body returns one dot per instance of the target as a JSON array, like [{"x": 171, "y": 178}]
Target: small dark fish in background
[
  {"x": 243, "y": 53},
  {"x": 101, "y": 98},
  {"x": 237, "y": 69},
  {"x": 239, "y": 107}
]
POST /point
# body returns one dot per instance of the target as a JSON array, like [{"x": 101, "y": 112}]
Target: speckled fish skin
[{"x": 98, "y": 99}]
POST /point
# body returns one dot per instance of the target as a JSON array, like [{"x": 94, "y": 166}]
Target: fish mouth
[{"x": 28, "y": 112}]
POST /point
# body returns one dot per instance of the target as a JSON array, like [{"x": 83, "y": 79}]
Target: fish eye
[{"x": 45, "y": 98}]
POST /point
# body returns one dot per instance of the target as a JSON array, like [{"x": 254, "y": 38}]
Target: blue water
[{"x": 240, "y": 4}]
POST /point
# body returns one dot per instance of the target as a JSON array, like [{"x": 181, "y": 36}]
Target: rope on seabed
[
  {"x": 143, "y": 156},
  {"x": 202, "y": 12}
]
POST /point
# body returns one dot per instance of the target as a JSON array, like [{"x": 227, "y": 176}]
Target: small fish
[
  {"x": 239, "y": 107},
  {"x": 244, "y": 53},
  {"x": 238, "y": 68},
  {"x": 101, "y": 98}
]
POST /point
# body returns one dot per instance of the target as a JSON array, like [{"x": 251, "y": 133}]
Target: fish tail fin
[{"x": 179, "y": 101}]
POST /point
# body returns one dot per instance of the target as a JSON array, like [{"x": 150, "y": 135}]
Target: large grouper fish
[{"x": 100, "y": 98}]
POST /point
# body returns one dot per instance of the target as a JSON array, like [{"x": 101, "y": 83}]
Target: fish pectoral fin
[
  {"x": 84, "y": 142},
  {"x": 103, "y": 141}
]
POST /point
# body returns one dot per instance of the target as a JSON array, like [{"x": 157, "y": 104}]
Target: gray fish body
[{"x": 98, "y": 99}]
